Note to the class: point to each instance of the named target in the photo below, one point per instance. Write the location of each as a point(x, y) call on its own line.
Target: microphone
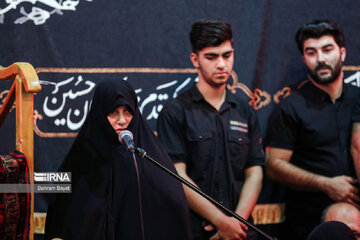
point(126, 137)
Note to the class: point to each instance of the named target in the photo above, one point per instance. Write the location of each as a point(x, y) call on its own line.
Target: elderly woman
point(113, 195)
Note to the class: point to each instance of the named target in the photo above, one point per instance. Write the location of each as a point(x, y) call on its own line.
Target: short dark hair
point(209, 33)
point(317, 29)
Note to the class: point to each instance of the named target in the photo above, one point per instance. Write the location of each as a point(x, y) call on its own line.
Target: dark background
point(132, 39)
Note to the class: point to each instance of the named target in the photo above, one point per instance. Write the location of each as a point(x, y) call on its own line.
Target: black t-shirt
point(215, 145)
point(319, 134)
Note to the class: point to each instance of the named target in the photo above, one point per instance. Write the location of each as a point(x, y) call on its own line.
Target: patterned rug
point(14, 207)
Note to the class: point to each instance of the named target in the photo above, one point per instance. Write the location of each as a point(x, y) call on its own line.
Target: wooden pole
point(25, 135)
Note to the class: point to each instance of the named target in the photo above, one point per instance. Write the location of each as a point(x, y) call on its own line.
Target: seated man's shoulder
point(296, 97)
point(177, 105)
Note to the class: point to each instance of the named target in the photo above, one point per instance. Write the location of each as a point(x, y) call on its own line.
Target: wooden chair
point(26, 83)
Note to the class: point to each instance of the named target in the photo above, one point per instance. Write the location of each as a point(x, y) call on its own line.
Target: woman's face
point(120, 118)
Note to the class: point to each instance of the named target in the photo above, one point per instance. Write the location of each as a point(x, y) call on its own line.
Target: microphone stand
point(140, 152)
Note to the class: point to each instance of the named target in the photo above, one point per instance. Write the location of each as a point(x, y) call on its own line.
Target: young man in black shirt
point(214, 138)
point(308, 139)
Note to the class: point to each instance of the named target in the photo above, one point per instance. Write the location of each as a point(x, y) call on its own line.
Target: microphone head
point(125, 133)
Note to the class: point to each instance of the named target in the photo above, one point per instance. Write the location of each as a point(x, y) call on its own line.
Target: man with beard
point(308, 141)
point(214, 138)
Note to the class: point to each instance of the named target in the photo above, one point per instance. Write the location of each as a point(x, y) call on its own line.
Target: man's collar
point(318, 93)
point(197, 96)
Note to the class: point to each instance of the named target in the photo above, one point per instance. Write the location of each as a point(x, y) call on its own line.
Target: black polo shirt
point(318, 132)
point(215, 145)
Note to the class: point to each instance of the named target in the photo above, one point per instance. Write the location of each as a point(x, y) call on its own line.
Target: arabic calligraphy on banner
point(41, 10)
point(61, 110)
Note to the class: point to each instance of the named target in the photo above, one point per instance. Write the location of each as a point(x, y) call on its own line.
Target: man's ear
point(343, 54)
point(194, 59)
